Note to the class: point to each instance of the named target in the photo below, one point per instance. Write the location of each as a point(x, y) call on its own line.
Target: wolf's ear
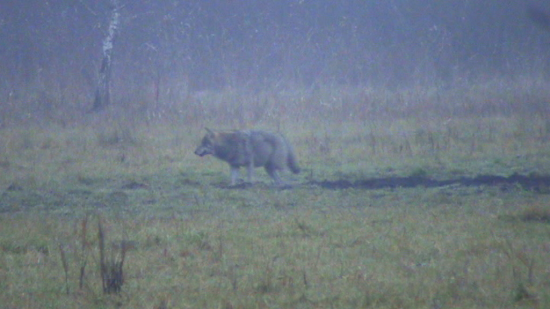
point(209, 131)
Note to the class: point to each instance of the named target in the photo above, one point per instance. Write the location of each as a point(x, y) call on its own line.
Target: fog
point(52, 50)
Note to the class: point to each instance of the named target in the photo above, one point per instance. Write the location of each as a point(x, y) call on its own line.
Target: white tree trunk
point(103, 90)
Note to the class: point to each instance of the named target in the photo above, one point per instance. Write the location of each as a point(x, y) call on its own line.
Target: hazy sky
point(257, 43)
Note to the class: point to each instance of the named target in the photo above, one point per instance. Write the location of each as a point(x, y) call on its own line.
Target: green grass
point(293, 249)
point(192, 243)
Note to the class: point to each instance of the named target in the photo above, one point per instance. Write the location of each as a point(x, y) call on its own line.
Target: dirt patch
point(537, 183)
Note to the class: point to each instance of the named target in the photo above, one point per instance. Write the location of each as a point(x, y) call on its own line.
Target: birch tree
point(102, 96)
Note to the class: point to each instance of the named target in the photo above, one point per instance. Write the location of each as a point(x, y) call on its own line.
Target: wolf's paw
point(241, 185)
point(284, 186)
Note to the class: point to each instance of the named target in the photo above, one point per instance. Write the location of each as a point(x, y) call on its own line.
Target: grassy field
point(131, 196)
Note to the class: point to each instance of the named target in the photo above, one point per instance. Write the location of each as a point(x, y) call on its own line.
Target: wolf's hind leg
point(250, 171)
point(274, 174)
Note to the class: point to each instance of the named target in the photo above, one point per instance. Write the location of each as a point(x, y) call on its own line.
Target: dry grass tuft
point(536, 213)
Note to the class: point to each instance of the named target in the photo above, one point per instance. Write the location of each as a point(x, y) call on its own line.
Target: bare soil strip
point(537, 183)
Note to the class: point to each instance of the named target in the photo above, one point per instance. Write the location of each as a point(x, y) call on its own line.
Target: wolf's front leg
point(250, 171)
point(234, 175)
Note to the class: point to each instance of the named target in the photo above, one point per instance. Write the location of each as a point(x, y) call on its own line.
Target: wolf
point(250, 148)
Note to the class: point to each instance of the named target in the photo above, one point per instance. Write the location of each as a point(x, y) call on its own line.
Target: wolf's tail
point(292, 162)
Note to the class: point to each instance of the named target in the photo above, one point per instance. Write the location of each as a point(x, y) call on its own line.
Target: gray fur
point(250, 148)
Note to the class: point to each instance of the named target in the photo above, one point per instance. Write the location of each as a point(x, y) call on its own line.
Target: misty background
point(169, 51)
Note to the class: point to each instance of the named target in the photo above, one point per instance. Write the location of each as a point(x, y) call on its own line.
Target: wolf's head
point(207, 145)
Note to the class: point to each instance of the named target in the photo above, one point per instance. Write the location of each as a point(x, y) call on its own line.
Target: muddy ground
point(130, 195)
point(537, 183)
